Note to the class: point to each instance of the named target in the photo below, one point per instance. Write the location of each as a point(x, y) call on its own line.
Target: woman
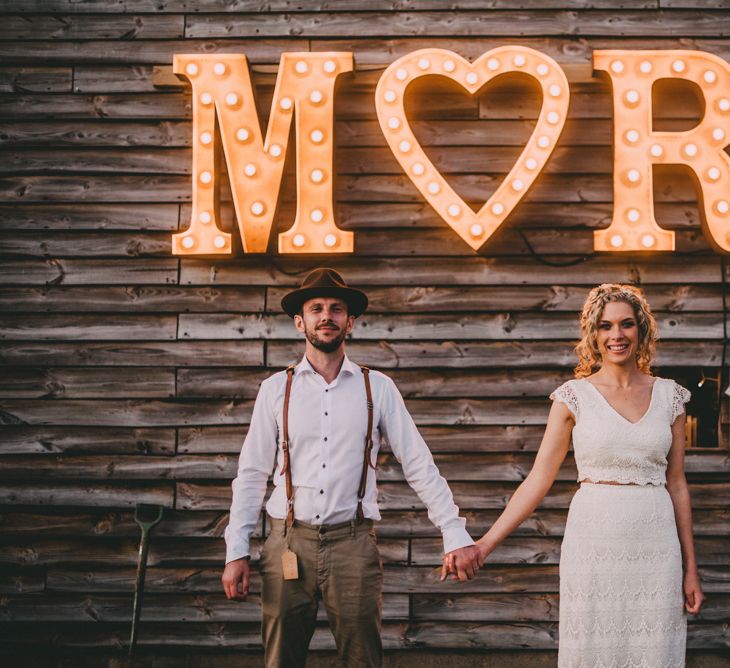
point(627, 561)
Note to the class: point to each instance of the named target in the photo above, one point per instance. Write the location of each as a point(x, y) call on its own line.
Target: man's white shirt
point(327, 430)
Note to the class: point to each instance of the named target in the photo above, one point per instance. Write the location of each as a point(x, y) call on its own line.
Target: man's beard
point(325, 346)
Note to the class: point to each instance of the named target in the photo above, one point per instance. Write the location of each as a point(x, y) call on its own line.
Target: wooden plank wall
point(129, 374)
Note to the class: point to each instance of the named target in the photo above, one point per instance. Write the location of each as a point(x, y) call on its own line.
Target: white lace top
point(610, 448)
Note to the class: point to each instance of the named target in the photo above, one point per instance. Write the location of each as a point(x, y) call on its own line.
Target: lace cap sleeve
point(680, 396)
point(565, 394)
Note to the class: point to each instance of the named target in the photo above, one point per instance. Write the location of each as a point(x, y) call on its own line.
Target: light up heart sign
point(474, 228)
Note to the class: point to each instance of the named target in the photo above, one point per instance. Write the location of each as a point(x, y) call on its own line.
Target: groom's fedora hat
point(323, 282)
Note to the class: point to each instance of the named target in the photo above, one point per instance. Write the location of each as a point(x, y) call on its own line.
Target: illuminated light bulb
point(191, 69)
point(206, 99)
point(219, 241)
point(231, 99)
point(656, 150)
point(476, 230)
point(645, 66)
point(519, 60)
point(648, 240)
point(632, 96)
point(394, 123)
point(257, 208)
point(555, 90)
point(633, 215)
point(713, 174)
point(330, 240)
point(275, 150)
point(617, 67)
point(449, 65)
point(219, 69)
point(249, 169)
point(617, 240)
point(493, 64)
point(434, 188)
point(404, 146)
point(497, 209)
point(424, 63)
point(206, 177)
point(188, 242)
point(633, 175)
point(298, 240)
point(418, 169)
point(543, 141)
point(286, 103)
point(206, 137)
point(401, 74)
point(301, 67)
point(454, 210)
point(330, 66)
point(517, 185)
point(390, 96)
point(553, 117)
point(531, 163)
point(722, 206)
point(690, 150)
point(543, 69)
point(317, 176)
point(679, 66)
point(472, 78)
point(709, 76)
point(723, 104)
point(315, 97)
point(316, 136)
point(317, 216)
point(205, 217)
point(718, 134)
point(632, 136)
point(242, 134)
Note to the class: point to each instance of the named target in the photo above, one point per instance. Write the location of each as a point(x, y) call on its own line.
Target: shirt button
point(316, 517)
point(321, 491)
point(326, 390)
point(326, 413)
point(325, 438)
point(324, 466)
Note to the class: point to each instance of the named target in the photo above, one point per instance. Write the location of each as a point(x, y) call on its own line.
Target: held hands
point(693, 596)
point(235, 579)
point(464, 563)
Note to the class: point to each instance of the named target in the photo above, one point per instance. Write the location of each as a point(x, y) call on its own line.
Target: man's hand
point(235, 579)
point(464, 563)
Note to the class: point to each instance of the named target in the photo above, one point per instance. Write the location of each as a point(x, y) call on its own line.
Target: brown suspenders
point(367, 456)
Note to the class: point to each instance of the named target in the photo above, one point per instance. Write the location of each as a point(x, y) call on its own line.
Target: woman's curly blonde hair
point(589, 359)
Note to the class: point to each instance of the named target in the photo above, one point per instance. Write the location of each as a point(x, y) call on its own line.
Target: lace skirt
point(621, 600)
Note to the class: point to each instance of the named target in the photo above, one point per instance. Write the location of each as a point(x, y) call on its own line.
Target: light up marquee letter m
point(222, 90)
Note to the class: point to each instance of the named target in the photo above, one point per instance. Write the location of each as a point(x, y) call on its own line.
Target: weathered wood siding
point(129, 375)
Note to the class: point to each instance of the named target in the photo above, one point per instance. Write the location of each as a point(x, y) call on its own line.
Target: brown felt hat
point(323, 282)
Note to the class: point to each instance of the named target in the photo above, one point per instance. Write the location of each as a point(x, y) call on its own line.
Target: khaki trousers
point(339, 564)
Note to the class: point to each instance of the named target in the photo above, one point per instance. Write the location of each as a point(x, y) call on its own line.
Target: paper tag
point(289, 565)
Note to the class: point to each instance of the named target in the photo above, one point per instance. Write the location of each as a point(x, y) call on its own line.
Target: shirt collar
point(347, 367)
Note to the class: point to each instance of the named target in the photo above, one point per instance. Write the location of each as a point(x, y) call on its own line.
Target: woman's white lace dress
point(621, 601)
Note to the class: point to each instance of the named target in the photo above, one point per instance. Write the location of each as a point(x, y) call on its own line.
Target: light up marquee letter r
point(637, 147)
point(222, 91)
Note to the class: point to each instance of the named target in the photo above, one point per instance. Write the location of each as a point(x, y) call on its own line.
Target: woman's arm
point(532, 491)
point(678, 490)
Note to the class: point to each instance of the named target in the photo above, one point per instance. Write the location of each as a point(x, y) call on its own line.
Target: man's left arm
point(424, 478)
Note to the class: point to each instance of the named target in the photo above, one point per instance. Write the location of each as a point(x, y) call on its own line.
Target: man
point(316, 420)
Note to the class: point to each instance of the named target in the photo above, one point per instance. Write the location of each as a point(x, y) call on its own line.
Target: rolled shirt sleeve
point(420, 470)
point(255, 464)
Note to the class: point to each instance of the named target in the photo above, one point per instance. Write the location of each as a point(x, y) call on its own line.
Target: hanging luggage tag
point(289, 565)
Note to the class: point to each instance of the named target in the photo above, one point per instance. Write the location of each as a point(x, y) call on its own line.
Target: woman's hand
point(693, 596)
